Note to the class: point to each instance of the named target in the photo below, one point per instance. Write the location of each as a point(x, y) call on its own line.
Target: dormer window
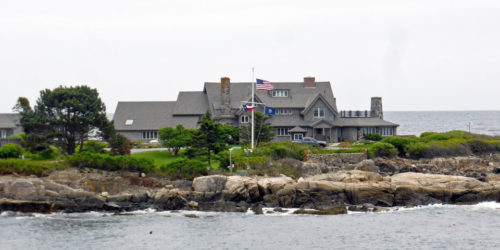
point(319, 113)
point(280, 93)
point(129, 122)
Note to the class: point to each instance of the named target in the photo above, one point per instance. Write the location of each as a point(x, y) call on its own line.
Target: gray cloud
point(417, 55)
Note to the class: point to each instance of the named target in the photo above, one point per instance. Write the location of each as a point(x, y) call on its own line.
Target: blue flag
point(269, 111)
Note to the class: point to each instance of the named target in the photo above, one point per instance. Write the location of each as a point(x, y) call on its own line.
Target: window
point(283, 112)
point(280, 93)
point(3, 133)
point(129, 122)
point(149, 134)
point(370, 130)
point(244, 119)
point(319, 113)
point(298, 136)
point(386, 131)
point(282, 131)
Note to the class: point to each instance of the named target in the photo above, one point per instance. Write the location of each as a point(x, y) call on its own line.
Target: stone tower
point(376, 107)
point(225, 104)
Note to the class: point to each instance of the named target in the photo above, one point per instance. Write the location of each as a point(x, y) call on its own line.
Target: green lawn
point(163, 157)
point(159, 157)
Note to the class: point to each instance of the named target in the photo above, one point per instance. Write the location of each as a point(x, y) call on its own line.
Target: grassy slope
point(164, 157)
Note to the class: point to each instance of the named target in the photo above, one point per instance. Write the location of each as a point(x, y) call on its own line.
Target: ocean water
point(435, 226)
point(417, 122)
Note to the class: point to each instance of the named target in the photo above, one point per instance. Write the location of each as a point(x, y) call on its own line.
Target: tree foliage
point(262, 132)
point(176, 138)
point(64, 114)
point(209, 136)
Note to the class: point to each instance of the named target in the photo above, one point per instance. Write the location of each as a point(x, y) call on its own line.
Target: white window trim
point(284, 130)
point(298, 136)
point(244, 119)
point(149, 135)
point(319, 112)
point(279, 93)
point(3, 133)
point(284, 111)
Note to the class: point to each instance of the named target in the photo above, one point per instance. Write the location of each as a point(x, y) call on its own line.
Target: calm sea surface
point(436, 226)
point(417, 122)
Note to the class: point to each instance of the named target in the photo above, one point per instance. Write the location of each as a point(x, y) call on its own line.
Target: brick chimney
point(225, 90)
point(309, 82)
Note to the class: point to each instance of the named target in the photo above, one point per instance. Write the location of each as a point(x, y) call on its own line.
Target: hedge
point(110, 163)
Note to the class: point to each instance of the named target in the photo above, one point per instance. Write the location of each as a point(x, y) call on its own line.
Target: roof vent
point(129, 122)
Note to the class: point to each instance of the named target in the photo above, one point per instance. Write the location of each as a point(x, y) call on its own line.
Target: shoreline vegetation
point(453, 168)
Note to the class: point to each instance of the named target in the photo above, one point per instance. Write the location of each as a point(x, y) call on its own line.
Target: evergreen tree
point(64, 115)
point(262, 133)
point(209, 136)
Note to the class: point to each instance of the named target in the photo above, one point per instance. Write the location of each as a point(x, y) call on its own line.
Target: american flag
point(264, 85)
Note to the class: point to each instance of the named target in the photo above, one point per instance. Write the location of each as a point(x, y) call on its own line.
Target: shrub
point(431, 136)
point(381, 149)
point(452, 147)
point(415, 150)
point(185, 168)
point(27, 167)
point(400, 143)
point(94, 147)
point(110, 163)
point(10, 150)
point(281, 150)
point(496, 144)
point(480, 146)
point(192, 153)
point(120, 145)
point(373, 137)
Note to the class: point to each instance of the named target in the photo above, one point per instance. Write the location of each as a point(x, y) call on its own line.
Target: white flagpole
point(253, 104)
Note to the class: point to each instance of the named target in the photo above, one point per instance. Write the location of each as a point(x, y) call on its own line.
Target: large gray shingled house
point(305, 108)
point(9, 125)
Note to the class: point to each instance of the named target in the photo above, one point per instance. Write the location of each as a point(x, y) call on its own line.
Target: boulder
point(351, 176)
point(273, 184)
point(367, 165)
point(240, 188)
point(211, 183)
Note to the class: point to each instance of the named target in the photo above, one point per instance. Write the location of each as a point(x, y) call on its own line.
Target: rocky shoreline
point(369, 185)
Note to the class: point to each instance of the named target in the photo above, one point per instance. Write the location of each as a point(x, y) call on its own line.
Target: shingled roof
point(150, 116)
point(9, 120)
point(365, 122)
point(298, 95)
point(191, 103)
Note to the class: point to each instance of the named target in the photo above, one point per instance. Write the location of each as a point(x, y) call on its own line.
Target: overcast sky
point(416, 55)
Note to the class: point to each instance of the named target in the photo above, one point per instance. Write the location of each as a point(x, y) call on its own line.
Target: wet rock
point(193, 204)
point(332, 211)
point(257, 209)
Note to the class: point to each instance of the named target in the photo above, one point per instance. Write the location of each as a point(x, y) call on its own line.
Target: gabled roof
point(298, 95)
point(191, 103)
point(9, 120)
point(328, 122)
point(311, 101)
point(150, 116)
point(365, 122)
